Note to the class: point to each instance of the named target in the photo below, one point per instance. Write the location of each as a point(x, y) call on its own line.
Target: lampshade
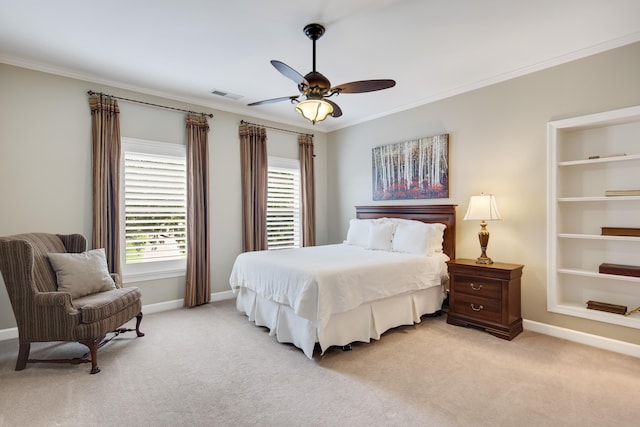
point(314, 110)
point(482, 208)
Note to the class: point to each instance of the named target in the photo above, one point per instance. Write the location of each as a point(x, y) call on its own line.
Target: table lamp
point(483, 208)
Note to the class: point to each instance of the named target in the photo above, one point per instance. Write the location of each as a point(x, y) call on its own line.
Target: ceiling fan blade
point(364, 86)
point(337, 111)
point(271, 101)
point(289, 72)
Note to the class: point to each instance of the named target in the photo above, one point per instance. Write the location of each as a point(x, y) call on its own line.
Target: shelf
point(600, 160)
point(598, 237)
point(587, 273)
point(576, 310)
point(599, 199)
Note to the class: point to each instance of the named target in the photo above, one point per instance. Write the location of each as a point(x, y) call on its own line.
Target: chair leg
point(138, 321)
point(93, 349)
point(23, 355)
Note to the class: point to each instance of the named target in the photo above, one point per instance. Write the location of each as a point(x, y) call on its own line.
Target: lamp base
point(484, 260)
point(483, 236)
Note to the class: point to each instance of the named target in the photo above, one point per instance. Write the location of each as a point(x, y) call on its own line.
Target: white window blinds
point(155, 207)
point(283, 204)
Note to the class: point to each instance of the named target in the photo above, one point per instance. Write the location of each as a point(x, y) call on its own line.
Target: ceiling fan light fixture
point(314, 110)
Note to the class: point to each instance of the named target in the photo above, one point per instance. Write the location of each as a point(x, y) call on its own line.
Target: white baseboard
point(10, 333)
point(178, 303)
point(7, 334)
point(221, 296)
point(583, 338)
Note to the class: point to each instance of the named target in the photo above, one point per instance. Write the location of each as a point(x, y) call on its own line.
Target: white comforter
point(319, 281)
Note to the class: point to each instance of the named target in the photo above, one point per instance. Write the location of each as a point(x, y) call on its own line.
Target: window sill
point(152, 275)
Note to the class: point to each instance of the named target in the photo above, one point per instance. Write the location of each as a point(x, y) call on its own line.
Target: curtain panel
point(253, 166)
point(308, 190)
point(106, 147)
point(198, 274)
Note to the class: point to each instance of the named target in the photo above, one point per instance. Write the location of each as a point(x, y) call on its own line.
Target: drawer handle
point(474, 308)
point(475, 287)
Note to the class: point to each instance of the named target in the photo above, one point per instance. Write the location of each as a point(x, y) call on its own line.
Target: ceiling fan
point(315, 89)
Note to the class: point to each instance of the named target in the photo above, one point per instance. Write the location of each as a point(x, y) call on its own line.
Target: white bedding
point(321, 281)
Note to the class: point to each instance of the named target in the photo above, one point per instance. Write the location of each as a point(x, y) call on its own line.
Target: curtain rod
point(149, 103)
point(244, 122)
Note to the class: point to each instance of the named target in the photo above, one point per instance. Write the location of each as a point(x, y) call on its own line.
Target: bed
point(335, 295)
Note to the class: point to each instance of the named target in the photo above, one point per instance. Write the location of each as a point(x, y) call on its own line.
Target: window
point(283, 204)
point(153, 210)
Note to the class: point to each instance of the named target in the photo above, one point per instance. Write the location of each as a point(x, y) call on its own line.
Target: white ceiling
point(182, 49)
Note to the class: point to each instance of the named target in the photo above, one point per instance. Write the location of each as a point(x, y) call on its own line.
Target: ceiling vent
point(224, 94)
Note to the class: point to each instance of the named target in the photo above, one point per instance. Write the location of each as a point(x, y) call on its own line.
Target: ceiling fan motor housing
point(318, 85)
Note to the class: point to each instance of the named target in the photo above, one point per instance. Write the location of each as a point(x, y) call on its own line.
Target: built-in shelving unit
point(588, 156)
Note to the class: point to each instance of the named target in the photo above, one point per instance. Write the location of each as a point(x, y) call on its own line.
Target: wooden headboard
point(445, 214)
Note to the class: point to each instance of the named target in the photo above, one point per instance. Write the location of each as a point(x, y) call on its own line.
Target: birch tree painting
point(417, 169)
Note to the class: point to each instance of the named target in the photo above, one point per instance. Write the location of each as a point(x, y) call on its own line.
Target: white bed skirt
point(366, 322)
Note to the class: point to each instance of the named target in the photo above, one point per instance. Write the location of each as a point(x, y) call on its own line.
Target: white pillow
point(358, 234)
point(413, 238)
point(82, 274)
point(381, 236)
point(437, 237)
point(417, 237)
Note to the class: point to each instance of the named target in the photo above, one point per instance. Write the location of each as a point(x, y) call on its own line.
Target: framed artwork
point(417, 169)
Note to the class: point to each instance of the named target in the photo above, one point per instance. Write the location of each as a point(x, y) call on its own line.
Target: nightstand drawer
point(478, 286)
point(478, 308)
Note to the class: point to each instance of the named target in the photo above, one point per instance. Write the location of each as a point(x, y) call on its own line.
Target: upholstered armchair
point(72, 299)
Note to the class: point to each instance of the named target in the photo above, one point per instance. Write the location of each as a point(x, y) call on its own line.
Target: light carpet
point(210, 366)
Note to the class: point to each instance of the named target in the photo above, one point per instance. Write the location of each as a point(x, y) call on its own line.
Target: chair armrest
point(116, 280)
point(52, 318)
point(56, 301)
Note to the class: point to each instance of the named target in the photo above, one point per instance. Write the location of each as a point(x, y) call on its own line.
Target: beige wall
point(45, 165)
point(497, 145)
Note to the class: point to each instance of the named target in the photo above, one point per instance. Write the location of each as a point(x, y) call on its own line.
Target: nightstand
point(486, 296)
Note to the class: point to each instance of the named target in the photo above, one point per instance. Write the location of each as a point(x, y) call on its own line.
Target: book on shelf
point(610, 308)
point(605, 156)
point(622, 193)
point(619, 269)
point(620, 231)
